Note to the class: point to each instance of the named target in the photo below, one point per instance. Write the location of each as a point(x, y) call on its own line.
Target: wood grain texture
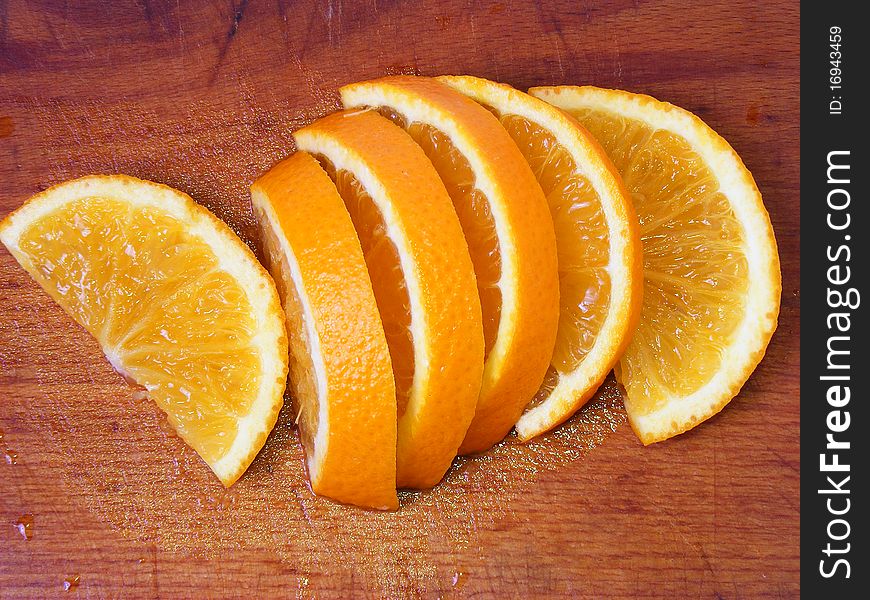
point(203, 96)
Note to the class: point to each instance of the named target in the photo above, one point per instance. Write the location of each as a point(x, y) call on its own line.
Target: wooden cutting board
point(203, 96)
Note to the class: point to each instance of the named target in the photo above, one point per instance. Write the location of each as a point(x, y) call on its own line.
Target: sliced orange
point(508, 228)
point(711, 270)
point(340, 373)
point(178, 303)
point(600, 269)
point(422, 278)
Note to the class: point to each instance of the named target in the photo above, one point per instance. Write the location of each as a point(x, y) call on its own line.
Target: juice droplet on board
point(459, 579)
point(24, 524)
point(71, 583)
point(10, 455)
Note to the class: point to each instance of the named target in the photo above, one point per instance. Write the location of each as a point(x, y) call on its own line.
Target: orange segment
point(711, 269)
point(178, 303)
point(507, 227)
point(340, 372)
point(422, 277)
point(599, 252)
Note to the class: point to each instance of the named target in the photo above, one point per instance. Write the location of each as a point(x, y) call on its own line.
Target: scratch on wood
point(237, 18)
point(618, 59)
point(551, 24)
point(53, 33)
point(180, 26)
point(282, 15)
point(333, 13)
point(784, 462)
point(145, 6)
point(238, 13)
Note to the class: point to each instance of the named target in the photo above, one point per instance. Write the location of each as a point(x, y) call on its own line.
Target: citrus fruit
point(510, 236)
point(178, 303)
point(600, 268)
point(422, 277)
point(340, 373)
point(711, 270)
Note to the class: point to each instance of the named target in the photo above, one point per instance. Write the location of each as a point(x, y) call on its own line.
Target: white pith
point(316, 454)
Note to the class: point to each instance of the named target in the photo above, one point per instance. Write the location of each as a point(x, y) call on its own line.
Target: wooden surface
point(203, 96)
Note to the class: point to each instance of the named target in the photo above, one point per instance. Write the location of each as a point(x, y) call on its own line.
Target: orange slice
point(508, 228)
point(711, 270)
point(600, 269)
point(178, 303)
point(422, 278)
point(340, 372)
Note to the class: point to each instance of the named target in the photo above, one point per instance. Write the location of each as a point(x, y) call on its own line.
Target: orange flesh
point(303, 378)
point(153, 295)
point(474, 215)
point(583, 246)
point(388, 280)
point(695, 278)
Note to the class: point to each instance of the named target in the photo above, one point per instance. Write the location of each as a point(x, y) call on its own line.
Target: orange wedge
point(711, 270)
point(340, 372)
point(508, 228)
point(422, 277)
point(600, 268)
point(178, 303)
